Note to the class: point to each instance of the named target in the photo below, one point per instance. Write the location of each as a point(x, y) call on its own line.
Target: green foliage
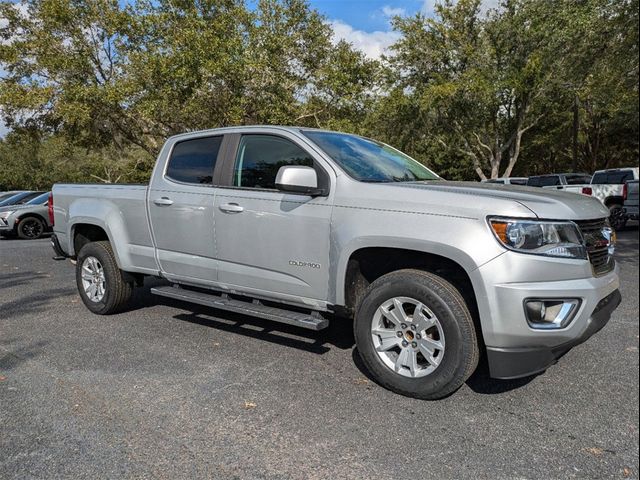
point(91, 88)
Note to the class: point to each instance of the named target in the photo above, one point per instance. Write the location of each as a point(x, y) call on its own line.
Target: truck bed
point(120, 209)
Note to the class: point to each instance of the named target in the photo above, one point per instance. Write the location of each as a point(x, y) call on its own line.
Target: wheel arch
point(104, 221)
point(365, 264)
point(19, 218)
point(85, 232)
point(613, 200)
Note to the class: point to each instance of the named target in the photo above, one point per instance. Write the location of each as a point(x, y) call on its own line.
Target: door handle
point(163, 201)
point(231, 208)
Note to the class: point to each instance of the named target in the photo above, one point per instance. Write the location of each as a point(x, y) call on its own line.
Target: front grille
point(597, 245)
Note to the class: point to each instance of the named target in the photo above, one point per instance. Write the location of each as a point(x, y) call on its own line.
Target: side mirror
point(298, 179)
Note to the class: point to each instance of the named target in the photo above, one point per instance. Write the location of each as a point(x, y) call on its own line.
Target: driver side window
point(260, 157)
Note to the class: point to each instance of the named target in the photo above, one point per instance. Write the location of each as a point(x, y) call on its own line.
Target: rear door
point(269, 241)
point(181, 208)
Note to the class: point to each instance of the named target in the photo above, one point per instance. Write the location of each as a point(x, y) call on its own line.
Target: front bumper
point(514, 349)
point(507, 363)
point(7, 224)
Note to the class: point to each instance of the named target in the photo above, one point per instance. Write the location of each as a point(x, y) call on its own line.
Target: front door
point(266, 240)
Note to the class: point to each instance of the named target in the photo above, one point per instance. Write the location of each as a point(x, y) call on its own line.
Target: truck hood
point(543, 203)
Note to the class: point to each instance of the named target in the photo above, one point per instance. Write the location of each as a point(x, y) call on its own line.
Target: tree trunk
point(576, 127)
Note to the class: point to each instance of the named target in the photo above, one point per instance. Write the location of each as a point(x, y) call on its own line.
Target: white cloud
point(372, 44)
point(389, 11)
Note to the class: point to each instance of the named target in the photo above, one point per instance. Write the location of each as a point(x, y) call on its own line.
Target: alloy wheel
point(408, 337)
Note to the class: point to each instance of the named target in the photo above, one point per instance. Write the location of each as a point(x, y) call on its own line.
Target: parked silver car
point(28, 221)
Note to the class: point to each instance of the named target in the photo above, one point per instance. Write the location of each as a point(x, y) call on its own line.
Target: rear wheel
point(100, 282)
point(416, 335)
point(617, 218)
point(30, 228)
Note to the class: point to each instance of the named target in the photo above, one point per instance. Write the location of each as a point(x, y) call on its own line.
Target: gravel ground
point(167, 390)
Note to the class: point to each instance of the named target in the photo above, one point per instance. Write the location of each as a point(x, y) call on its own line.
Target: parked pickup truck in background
point(608, 187)
point(630, 195)
point(570, 182)
point(306, 226)
point(507, 180)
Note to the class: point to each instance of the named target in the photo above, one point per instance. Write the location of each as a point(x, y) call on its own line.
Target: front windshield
point(39, 200)
point(369, 161)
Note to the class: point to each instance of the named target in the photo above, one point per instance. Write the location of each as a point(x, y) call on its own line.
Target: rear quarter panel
point(120, 210)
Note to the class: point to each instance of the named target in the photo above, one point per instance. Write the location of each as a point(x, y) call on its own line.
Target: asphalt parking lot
point(169, 390)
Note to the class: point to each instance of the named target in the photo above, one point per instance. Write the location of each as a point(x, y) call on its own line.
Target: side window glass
point(549, 181)
point(260, 157)
point(193, 161)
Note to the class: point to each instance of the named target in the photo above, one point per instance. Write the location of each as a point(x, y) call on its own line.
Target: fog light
point(549, 314)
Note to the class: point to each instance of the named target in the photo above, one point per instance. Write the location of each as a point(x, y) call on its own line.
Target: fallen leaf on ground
point(249, 405)
point(595, 451)
point(626, 472)
point(361, 381)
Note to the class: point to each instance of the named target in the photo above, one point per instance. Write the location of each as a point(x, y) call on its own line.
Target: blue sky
point(366, 15)
point(366, 23)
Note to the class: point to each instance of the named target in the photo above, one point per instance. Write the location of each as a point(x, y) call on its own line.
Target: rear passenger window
point(534, 182)
point(193, 161)
point(549, 181)
point(613, 178)
point(618, 178)
point(578, 179)
point(261, 156)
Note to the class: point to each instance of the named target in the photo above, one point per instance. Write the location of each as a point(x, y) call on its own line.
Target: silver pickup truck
point(304, 226)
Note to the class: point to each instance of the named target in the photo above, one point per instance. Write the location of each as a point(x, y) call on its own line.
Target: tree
point(474, 80)
point(100, 72)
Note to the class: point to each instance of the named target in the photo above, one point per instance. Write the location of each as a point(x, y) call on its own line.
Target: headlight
point(5, 215)
point(553, 239)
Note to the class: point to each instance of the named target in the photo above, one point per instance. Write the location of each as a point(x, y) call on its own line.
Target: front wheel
point(415, 334)
point(30, 228)
point(100, 282)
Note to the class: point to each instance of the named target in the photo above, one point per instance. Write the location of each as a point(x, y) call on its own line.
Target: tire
point(617, 218)
point(30, 228)
point(116, 292)
point(460, 353)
